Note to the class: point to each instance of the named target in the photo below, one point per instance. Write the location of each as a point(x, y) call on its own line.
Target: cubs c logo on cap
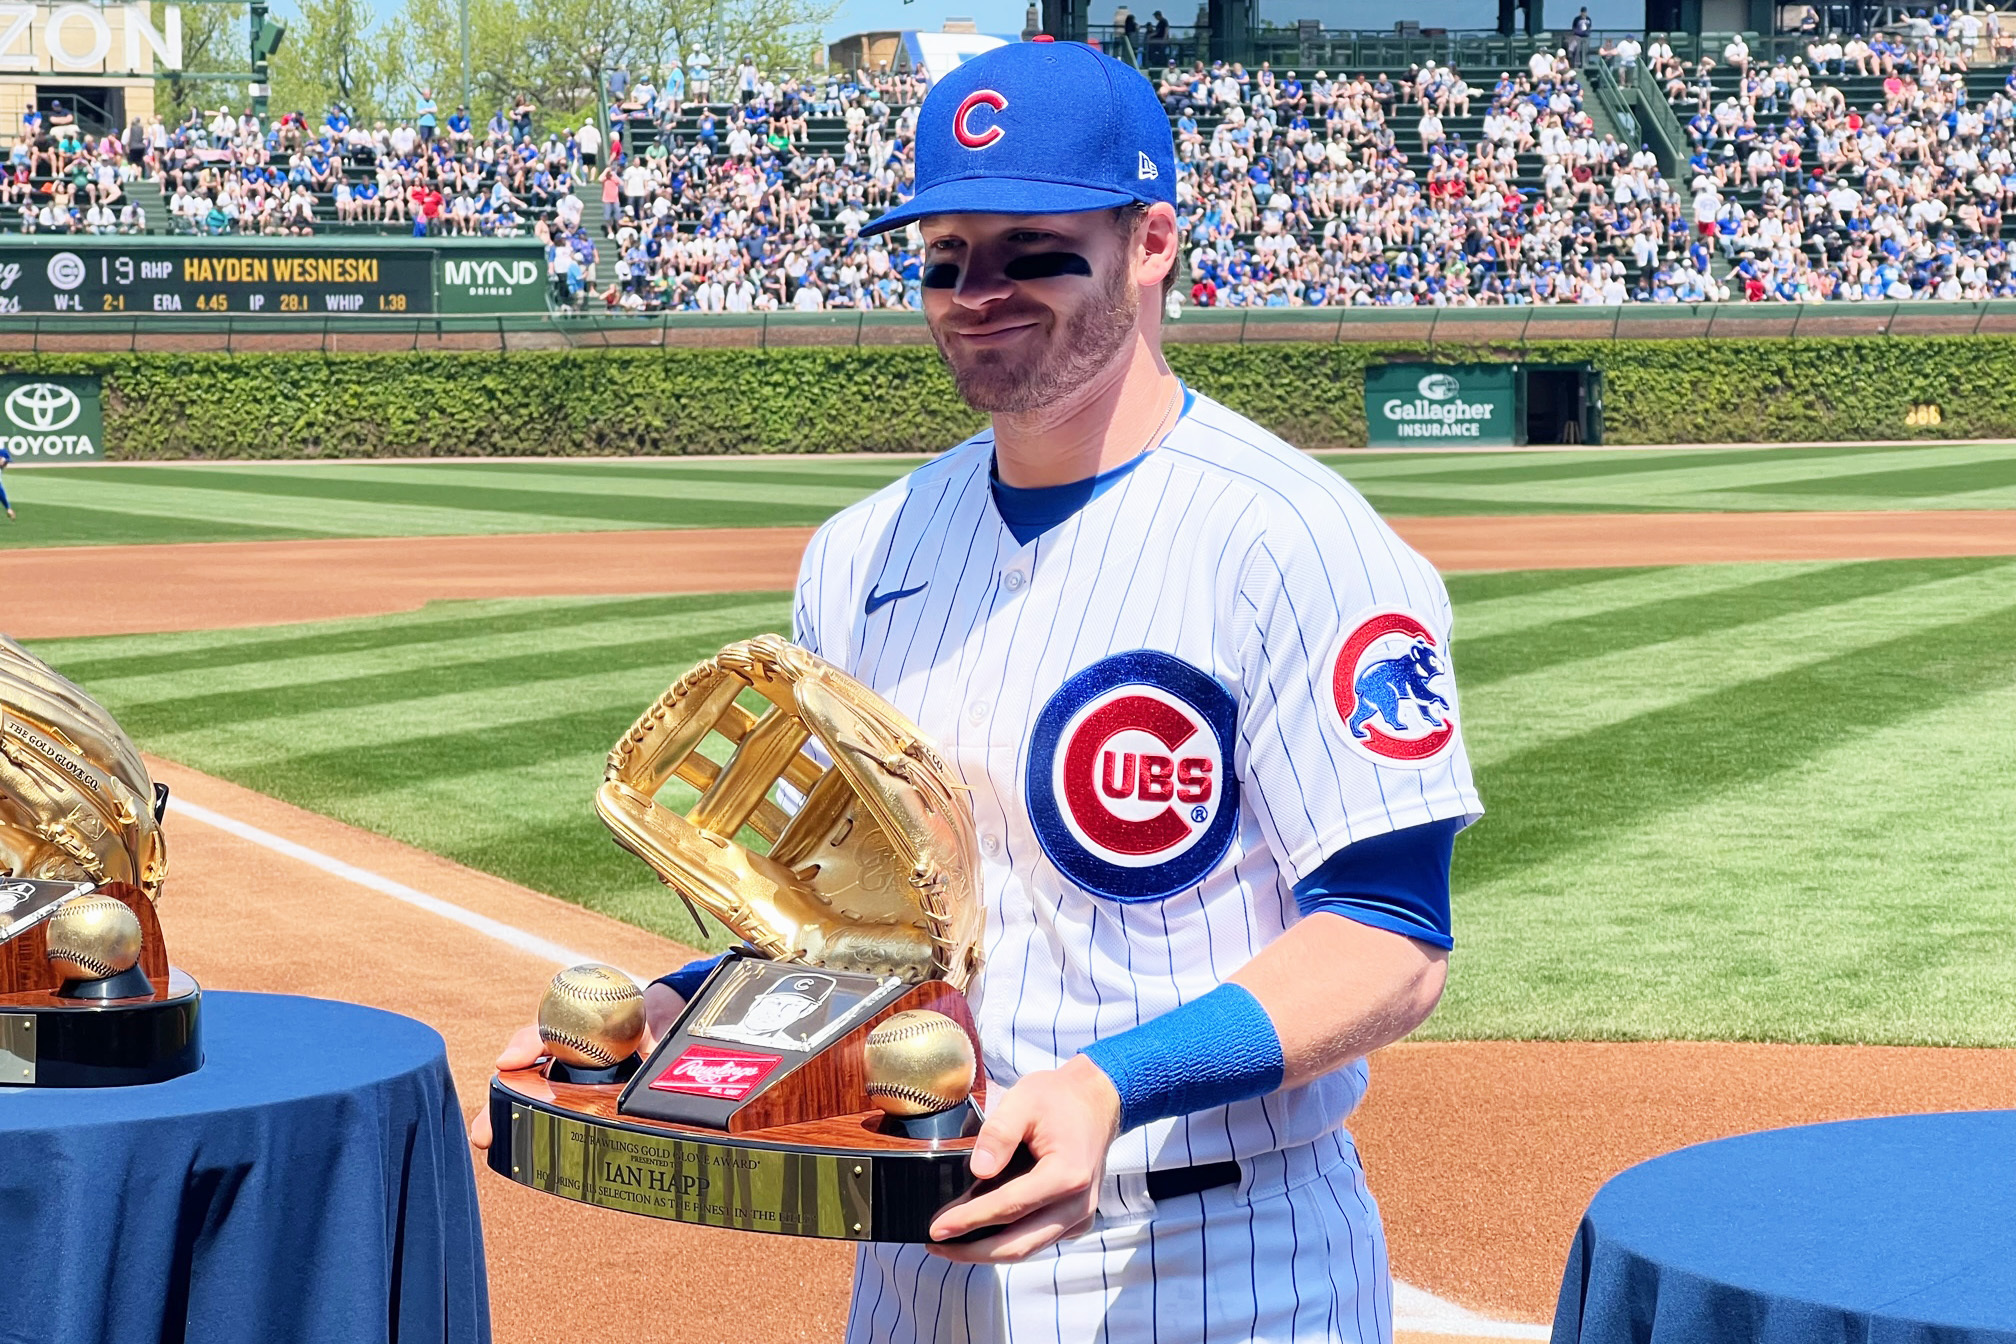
point(1130, 780)
point(1390, 682)
point(965, 119)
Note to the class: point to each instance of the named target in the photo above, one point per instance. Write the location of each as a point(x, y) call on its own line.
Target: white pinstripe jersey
point(1170, 708)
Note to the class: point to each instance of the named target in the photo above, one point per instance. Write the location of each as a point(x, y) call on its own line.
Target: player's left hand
point(1067, 1118)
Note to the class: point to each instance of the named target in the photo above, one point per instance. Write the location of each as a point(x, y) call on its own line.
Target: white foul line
point(504, 933)
point(1414, 1310)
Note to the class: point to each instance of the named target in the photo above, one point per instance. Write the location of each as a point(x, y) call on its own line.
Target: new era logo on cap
point(1038, 128)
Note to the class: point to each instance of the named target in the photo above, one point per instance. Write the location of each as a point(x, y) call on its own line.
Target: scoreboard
point(215, 277)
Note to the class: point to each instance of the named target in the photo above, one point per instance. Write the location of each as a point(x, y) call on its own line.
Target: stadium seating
point(1506, 178)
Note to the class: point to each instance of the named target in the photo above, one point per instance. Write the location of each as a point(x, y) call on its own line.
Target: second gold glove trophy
point(87, 997)
point(824, 1080)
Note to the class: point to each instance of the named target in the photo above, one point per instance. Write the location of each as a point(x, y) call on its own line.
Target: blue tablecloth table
point(1872, 1231)
point(311, 1182)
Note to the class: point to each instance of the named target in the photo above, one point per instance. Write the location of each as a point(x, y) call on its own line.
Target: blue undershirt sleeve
point(1398, 881)
point(686, 981)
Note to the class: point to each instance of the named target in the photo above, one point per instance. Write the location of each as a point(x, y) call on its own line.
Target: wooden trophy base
point(840, 1178)
point(787, 1141)
point(50, 1039)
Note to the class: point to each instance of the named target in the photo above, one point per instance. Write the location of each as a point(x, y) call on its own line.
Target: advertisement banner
point(52, 417)
point(1441, 405)
point(493, 279)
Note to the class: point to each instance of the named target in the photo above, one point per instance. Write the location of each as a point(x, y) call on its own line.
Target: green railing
point(1499, 327)
point(1603, 87)
point(1657, 126)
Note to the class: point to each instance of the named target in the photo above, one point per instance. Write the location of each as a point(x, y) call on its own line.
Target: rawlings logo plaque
point(1130, 781)
point(703, 1071)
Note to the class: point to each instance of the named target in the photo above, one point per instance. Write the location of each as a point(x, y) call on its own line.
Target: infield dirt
point(111, 590)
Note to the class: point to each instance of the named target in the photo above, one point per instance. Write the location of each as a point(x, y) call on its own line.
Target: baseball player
point(5, 458)
point(1203, 699)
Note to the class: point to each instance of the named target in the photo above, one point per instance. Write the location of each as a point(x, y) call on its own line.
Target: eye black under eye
point(1045, 265)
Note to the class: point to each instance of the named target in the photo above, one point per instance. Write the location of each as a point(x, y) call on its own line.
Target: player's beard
point(1006, 382)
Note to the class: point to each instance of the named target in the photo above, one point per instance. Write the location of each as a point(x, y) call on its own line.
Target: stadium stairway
point(146, 193)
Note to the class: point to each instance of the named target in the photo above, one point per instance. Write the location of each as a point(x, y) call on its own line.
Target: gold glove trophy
point(824, 1080)
point(87, 997)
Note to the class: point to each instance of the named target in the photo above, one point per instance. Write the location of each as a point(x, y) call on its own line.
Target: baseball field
point(1733, 712)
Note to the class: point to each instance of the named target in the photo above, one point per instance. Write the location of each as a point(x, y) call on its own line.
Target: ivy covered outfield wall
point(684, 401)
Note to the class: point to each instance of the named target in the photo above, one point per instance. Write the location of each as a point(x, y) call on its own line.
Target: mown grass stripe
point(1568, 701)
point(1396, 504)
point(415, 724)
point(1600, 783)
point(483, 489)
point(1957, 478)
point(754, 470)
point(1514, 586)
point(1510, 469)
point(1584, 636)
point(1839, 899)
point(1486, 608)
point(104, 659)
point(289, 688)
point(49, 523)
point(185, 497)
point(493, 508)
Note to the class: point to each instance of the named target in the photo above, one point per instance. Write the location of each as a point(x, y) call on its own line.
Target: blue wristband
point(1212, 1051)
point(686, 981)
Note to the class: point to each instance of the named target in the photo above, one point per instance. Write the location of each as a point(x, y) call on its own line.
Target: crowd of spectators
point(1859, 168)
point(1302, 193)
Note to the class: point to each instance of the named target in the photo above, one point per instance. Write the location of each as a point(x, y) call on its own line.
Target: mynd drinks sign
point(52, 417)
point(1441, 405)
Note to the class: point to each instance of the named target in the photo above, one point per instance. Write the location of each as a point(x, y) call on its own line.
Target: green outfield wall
point(160, 405)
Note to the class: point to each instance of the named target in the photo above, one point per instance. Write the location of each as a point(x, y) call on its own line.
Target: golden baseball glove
point(75, 799)
point(877, 869)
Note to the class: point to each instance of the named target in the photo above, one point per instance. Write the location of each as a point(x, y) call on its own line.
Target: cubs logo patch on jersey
point(1130, 782)
point(1391, 683)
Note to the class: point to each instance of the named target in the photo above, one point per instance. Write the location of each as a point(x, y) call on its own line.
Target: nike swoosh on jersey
point(877, 601)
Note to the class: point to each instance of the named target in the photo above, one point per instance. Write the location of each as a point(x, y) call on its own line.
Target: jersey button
point(990, 844)
point(976, 713)
point(1013, 580)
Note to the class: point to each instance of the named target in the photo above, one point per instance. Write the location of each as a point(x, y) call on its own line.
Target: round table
point(312, 1181)
point(1869, 1230)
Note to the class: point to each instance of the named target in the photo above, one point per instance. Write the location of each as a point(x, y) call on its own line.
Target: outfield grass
point(1764, 802)
point(75, 506)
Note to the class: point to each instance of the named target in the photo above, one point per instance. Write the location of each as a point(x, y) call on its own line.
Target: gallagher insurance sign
point(1434, 405)
point(51, 418)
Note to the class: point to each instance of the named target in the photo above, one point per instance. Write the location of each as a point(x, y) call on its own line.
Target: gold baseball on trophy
point(918, 1063)
point(92, 938)
point(592, 1016)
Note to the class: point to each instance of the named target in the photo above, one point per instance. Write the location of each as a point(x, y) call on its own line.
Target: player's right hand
point(522, 1051)
point(1067, 1118)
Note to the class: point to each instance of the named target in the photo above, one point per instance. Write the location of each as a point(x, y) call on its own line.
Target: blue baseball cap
point(1038, 128)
